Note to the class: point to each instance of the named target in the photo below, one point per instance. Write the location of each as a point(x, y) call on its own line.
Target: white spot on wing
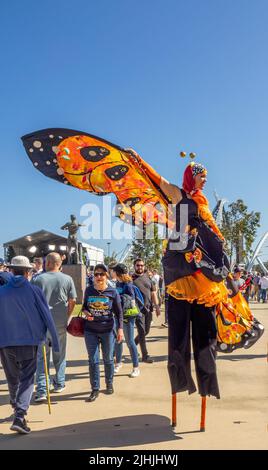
point(37, 144)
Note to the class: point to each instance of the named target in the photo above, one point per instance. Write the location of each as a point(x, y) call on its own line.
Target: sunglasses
point(99, 274)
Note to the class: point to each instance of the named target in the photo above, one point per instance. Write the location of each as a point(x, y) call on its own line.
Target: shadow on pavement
point(76, 376)
point(4, 399)
point(152, 339)
point(239, 357)
point(7, 419)
point(159, 358)
point(106, 433)
point(188, 432)
point(56, 397)
point(79, 363)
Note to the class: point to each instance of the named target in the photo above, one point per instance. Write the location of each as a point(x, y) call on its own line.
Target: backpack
point(132, 307)
point(139, 297)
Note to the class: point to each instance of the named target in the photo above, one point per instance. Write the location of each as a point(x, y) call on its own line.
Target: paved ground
point(137, 416)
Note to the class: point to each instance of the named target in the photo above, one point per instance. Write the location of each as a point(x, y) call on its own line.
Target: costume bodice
point(186, 217)
point(191, 250)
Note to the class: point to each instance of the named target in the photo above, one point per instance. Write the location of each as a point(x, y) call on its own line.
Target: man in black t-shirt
point(148, 290)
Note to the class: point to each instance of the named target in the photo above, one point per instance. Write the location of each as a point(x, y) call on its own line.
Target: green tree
point(240, 229)
point(149, 249)
point(110, 259)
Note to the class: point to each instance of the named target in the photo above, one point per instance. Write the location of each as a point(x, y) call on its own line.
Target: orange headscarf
point(203, 206)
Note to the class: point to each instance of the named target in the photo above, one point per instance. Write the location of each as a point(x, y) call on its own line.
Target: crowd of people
point(254, 285)
point(36, 303)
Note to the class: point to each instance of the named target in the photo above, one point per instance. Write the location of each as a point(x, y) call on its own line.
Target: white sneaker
point(117, 367)
point(40, 398)
point(58, 389)
point(135, 372)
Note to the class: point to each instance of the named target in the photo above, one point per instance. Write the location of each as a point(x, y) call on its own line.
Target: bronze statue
point(72, 242)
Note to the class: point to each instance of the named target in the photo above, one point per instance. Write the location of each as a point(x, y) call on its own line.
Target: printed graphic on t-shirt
point(98, 306)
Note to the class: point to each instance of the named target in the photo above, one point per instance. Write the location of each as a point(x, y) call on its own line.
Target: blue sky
point(159, 76)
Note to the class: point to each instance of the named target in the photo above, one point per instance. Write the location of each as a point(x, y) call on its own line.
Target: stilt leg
point(203, 414)
point(174, 410)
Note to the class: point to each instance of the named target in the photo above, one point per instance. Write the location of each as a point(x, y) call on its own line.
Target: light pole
point(108, 250)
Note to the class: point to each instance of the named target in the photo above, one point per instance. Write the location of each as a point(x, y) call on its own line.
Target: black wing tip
point(72, 131)
point(49, 129)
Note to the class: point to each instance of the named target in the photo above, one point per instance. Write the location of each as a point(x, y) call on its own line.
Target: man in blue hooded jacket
point(25, 318)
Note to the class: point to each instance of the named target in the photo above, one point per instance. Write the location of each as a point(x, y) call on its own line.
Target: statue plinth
point(78, 273)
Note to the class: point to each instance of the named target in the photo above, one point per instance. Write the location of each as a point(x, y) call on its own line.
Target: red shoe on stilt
point(203, 414)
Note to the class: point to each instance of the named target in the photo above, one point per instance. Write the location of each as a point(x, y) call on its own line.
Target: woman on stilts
point(195, 267)
point(203, 300)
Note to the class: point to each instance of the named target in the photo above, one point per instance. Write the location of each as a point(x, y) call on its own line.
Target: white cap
point(20, 262)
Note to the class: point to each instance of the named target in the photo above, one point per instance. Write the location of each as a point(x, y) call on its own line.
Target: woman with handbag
point(126, 289)
point(101, 303)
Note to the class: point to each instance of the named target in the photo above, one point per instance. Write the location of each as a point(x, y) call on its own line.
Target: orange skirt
point(241, 306)
point(199, 288)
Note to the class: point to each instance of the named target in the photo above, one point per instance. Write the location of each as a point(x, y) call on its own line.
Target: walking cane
point(203, 414)
point(46, 374)
point(174, 410)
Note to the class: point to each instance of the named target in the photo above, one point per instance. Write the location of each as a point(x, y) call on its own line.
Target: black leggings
point(204, 338)
point(143, 324)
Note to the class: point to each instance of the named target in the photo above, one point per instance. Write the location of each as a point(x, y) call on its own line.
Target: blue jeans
point(128, 328)
point(263, 295)
point(106, 340)
point(19, 364)
point(59, 361)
